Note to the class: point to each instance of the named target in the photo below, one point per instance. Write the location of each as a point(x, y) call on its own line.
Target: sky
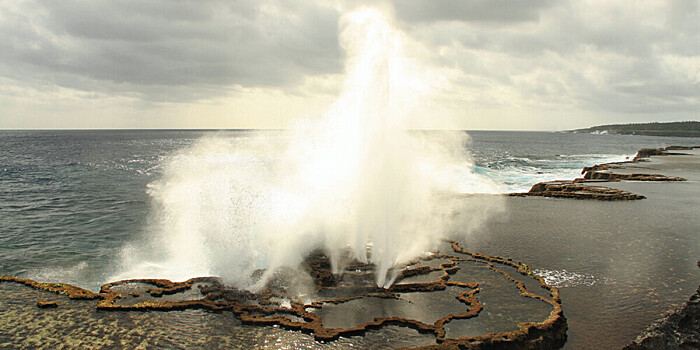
point(493, 64)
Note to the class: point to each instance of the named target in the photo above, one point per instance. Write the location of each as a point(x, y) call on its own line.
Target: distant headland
point(681, 129)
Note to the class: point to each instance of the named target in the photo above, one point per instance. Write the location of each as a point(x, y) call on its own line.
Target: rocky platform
point(679, 329)
point(276, 306)
point(577, 190)
point(581, 188)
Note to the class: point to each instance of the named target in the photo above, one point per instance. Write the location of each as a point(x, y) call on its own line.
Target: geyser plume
point(355, 180)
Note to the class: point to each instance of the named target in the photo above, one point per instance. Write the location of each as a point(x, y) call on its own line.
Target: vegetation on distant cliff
point(685, 129)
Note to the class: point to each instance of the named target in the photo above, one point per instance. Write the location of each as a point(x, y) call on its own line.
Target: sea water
point(71, 200)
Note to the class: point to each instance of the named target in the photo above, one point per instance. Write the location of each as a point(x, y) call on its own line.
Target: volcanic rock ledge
point(266, 308)
point(678, 330)
point(603, 173)
point(647, 152)
point(610, 176)
point(577, 190)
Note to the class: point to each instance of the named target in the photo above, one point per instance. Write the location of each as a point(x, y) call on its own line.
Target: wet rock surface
point(610, 176)
point(43, 304)
point(648, 152)
point(678, 330)
point(275, 306)
point(581, 189)
point(577, 190)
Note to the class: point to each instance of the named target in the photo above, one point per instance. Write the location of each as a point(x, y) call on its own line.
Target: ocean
point(71, 201)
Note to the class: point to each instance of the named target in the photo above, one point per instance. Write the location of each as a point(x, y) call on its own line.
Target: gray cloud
point(615, 57)
point(470, 10)
point(147, 46)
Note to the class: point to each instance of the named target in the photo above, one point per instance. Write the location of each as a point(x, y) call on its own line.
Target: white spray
point(354, 179)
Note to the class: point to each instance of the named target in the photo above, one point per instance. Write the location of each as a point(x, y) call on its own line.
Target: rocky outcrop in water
point(648, 152)
point(43, 304)
point(678, 330)
point(577, 190)
point(268, 307)
point(610, 176)
point(605, 172)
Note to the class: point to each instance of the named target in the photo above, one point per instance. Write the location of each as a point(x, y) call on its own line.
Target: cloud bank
point(502, 64)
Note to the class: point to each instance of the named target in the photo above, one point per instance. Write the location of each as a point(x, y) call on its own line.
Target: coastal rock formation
point(273, 306)
point(609, 176)
point(605, 166)
point(678, 330)
point(43, 304)
point(603, 173)
point(68, 290)
point(648, 152)
point(577, 190)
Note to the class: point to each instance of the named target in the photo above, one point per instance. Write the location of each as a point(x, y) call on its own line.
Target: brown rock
point(609, 176)
point(577, 190)
point(647, 152)
point(43, 304)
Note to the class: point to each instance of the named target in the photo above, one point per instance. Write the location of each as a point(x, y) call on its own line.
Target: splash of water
point(354, 180)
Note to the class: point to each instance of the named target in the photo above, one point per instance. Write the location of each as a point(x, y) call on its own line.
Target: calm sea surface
point(70, 200)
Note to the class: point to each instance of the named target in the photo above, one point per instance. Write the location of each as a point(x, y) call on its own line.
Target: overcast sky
point(512, 65)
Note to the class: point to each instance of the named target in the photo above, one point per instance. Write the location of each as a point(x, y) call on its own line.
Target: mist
point(354, 180)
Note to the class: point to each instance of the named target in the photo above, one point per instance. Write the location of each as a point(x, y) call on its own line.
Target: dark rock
point(578, 190)
point(603, 173)
point(609, 176)
point(678, 330)
point(265, 307)
point(324, 278)
point(647, 152)
point(538, 187)
point(678, 148)
point(319, 268)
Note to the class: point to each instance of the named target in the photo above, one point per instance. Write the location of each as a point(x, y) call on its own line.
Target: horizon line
point(241, 129)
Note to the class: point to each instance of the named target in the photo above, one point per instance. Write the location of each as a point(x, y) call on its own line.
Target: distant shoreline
point(677, 129)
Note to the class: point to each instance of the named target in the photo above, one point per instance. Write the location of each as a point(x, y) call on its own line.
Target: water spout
point(355, 180)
